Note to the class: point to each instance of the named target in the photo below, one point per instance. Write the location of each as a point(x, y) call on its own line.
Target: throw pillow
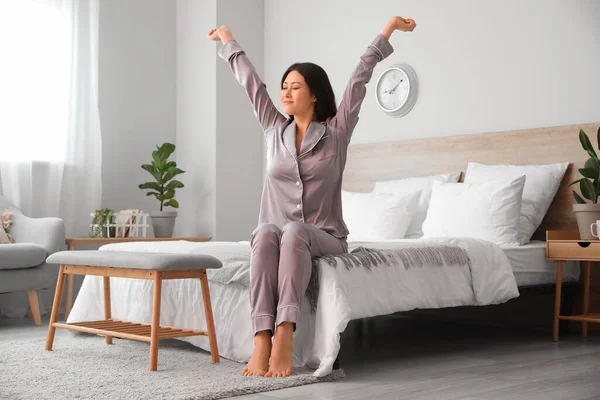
point(488, 211)
point(378, 216)
point(5, 225)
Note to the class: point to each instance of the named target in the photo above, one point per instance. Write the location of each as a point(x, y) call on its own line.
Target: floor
point(396, 357)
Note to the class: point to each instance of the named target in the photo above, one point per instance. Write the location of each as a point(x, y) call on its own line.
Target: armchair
point(23, 266)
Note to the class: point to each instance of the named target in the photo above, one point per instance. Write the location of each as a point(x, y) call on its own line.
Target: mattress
point(531, 267)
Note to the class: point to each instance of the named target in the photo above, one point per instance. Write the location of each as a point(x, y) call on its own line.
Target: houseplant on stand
point(589, 186)
point(163, 188)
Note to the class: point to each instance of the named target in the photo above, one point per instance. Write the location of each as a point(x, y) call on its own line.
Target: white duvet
point(344, 294)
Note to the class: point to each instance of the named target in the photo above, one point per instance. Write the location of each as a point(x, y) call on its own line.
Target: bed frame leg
point(567, 304)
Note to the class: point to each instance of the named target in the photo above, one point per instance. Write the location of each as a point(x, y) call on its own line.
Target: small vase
point(586, 215)
point(163, 223)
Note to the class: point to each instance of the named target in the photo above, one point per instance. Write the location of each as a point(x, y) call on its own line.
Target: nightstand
point(567, 245)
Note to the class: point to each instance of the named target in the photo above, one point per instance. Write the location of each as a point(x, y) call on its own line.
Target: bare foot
point(259, 362)
point(281, 356)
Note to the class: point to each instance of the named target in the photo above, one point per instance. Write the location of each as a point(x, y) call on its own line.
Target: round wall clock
point(396, 89)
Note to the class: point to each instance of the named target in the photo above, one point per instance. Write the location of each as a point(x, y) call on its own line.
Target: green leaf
point(173, 185)
point(151, 185)
point(588, 190)
point(166, 150)
point(154, 172)
point(586, 144)
point(171, 173)
point(589, 172)
point(593, 163)
point(157, 161)
point(172, 203)
point(577, 181)
point(578, 198)
point(166, 195)
point(169, 194)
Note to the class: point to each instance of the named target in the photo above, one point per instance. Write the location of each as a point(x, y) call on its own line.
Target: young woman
point(301, 211)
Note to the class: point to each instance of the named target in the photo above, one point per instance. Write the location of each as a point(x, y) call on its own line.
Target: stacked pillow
point(541, 184)
point(393, 210)
point(378, 216)
point(424, 184)
point(504, 204)
point(488, 211)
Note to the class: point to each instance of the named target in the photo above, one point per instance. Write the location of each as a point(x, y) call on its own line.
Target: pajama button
point(297, 205)
point(297, 183)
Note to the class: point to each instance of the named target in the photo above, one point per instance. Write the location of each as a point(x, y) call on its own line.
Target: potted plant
point(588, 212)
point(163, 188)
point(101, 221)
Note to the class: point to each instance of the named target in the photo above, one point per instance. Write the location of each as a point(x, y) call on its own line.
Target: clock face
point(396, 90)
point(393, 89)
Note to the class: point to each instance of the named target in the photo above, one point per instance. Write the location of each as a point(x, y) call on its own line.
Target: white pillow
point(541, 185)
point(408, 185)
point(378, 216)
point(488, 211)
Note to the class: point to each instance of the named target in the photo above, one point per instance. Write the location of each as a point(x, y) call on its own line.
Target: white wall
point(220, 143)
point(136, 95)
point(240, 140)
point(482, 66)
point(196, 117)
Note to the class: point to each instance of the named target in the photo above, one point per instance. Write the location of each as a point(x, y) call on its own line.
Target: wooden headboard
point(368, 163)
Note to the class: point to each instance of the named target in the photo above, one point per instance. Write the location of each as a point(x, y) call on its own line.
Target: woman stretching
point(301, 207)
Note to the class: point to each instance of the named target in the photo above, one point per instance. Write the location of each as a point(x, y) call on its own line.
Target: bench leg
point(154, 330)
point(34, 306)
point(55, 308)
point(69, 299)
point(107, 308)
point(210, 323)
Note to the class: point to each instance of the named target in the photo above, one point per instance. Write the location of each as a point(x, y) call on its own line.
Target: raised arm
point(268, 116)
point(347, 116)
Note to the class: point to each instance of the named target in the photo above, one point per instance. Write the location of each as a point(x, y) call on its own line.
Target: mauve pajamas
point(301, 205)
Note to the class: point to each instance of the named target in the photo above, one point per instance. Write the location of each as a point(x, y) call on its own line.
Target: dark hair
point(318, 82)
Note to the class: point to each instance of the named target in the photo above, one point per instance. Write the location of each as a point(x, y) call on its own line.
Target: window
point(35, 80)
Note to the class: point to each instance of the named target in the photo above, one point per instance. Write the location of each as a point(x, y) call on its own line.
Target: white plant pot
point(163, 223)
point(586, 215)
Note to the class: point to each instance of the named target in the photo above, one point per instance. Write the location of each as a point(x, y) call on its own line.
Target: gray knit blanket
point(237, 270)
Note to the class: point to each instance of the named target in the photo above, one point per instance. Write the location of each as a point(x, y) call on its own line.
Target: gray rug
point(85, 367)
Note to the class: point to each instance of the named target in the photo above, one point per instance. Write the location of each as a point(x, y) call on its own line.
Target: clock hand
point(392, 90)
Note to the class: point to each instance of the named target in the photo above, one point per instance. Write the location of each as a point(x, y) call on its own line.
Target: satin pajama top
point(305, 187)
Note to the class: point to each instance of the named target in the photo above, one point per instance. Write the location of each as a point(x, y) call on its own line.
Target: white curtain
point(50, 144)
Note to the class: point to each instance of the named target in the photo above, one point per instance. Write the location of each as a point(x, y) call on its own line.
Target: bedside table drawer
point(574, 250)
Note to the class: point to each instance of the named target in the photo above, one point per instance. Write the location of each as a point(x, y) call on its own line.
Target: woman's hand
point(223, 34)
point(398, 23)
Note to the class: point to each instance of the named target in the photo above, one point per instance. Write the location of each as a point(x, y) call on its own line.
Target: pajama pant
point(280, 269)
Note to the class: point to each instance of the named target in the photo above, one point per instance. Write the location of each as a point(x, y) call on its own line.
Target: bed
point(494, 275)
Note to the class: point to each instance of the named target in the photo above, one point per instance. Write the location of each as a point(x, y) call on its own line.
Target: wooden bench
point(140, 265)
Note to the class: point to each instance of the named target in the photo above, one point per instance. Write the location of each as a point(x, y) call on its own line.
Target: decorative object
point(124, 224)
point(113, 372)
point(5, 225)
point(163, 188)
point(102, 224)
point(589, 186)
point(396, 90)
